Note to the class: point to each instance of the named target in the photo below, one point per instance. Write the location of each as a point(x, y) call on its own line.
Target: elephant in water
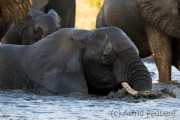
point(153, 26)
point(75, 60)
point(32, 28)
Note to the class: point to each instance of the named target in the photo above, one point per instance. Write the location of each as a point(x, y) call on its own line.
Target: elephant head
point(13, 10)
point(110, 58)
point(45, 24)
point(163, 14)
point(32, 28)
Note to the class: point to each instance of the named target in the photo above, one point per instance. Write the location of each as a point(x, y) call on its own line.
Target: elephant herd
point(52, 54)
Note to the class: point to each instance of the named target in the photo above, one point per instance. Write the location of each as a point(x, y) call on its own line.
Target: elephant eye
point(39, 31)
point(107, 58)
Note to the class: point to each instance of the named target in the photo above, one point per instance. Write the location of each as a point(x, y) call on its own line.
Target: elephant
point(64, 8)
point(75, 60)
point(35, 26)
point(152, 25)
point(12, 11)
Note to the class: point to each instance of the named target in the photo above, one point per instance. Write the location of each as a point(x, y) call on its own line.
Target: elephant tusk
point(147, 93)
point(129, 89)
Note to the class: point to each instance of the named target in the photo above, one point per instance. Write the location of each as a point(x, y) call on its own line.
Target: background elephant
point(65, 8)
point(75, 60)
point(153, 25)
point(12, 11)
point(34, 27)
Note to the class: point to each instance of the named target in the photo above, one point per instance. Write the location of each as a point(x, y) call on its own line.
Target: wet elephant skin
point(75, 60)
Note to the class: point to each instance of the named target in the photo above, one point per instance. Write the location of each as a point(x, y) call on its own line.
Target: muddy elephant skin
point(35, 26)
point(153, 26)
point(75, 60)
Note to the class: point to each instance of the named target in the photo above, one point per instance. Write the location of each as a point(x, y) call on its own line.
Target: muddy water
point(19, 104)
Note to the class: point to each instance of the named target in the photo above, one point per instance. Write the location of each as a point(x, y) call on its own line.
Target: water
point(19, 104)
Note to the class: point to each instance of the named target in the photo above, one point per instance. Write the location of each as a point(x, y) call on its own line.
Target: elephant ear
point(163, 14)
point(54, 66)
point(58, 18)
point(25, 29)
point(34, 13)
point(14, 10)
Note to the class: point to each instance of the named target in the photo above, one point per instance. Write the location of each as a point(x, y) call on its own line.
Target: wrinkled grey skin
point(66, 9)
point(34, 27)
point(74, 60)
point(10, 14)
point(153, 25)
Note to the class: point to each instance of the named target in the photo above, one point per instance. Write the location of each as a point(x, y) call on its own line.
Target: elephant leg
point(100, 21)
point(160, 46)
point(72, 17)
point(176, 53)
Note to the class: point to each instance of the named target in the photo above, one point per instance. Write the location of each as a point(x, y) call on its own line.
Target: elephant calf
point(75, 60)
point(35, 26)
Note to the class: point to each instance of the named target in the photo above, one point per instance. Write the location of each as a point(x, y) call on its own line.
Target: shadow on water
point(20, 104)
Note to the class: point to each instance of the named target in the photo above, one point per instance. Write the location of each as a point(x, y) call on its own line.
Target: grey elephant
point(64, 8)
point(75, 60)
point(153, 25)
point(12, 11)
point(32, 28)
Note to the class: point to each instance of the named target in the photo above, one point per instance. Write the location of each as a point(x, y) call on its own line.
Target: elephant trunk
point(139, 77)
point(131, 69)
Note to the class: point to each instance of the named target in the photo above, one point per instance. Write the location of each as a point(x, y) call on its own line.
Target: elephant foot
point(172, 82)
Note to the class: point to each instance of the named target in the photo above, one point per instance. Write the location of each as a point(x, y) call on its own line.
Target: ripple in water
point(17, 104)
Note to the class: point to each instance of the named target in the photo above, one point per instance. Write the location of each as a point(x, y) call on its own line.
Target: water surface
point(19, 104)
